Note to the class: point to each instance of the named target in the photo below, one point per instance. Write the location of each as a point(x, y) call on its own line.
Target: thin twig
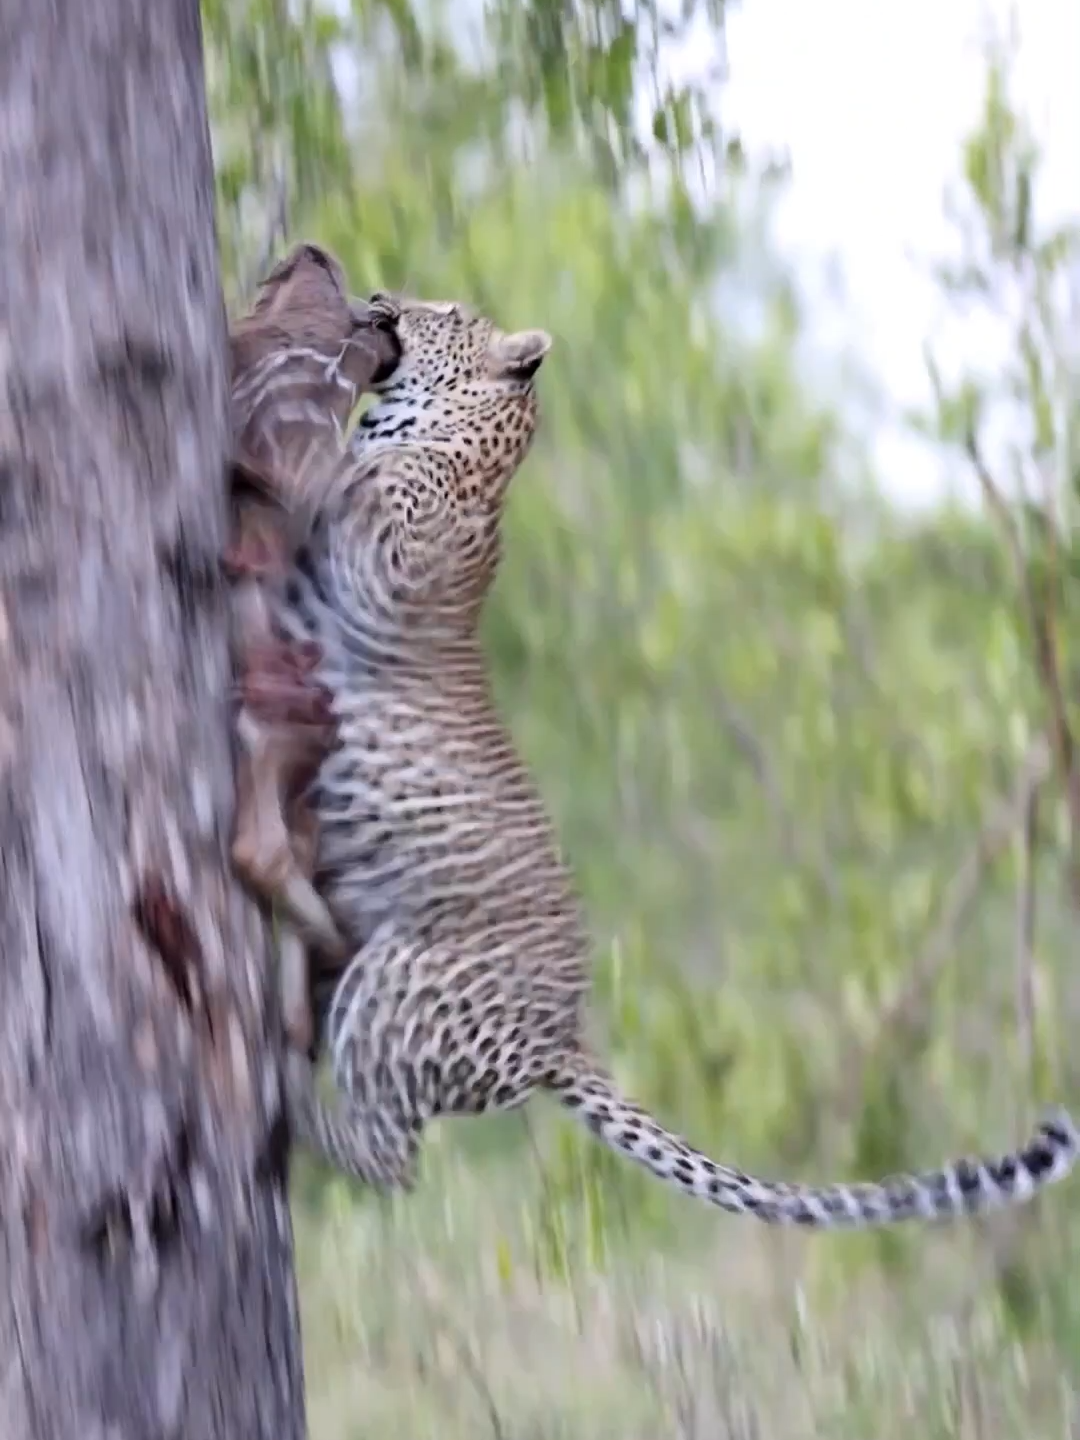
point(1041, 621)
point(1025, 954)
point(908, 1007)
point(278, 224)
point(551, 1200)
point(797, 851)
point(470, 1365)
point(277, 231)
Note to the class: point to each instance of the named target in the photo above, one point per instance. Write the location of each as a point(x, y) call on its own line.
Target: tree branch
point(907, 1008)
point(1039, 610)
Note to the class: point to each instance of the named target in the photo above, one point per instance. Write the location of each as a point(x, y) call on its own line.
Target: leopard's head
point(461, 383)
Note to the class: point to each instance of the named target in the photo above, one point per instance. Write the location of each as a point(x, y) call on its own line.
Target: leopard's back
point(426, 810)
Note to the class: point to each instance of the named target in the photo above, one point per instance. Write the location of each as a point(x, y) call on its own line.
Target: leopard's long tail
point(959, 1188)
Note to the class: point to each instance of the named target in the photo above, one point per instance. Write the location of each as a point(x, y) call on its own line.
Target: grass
point(442, 1314)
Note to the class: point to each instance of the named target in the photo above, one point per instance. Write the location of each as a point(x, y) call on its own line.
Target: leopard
point(468, 989)
point(300, 359)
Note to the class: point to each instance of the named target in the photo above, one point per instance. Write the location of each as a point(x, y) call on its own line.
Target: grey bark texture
point(146, 1286)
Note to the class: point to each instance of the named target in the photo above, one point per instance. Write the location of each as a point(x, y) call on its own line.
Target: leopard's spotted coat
point(469, 984)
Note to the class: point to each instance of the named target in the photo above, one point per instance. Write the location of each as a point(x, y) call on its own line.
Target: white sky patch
point(871, 102)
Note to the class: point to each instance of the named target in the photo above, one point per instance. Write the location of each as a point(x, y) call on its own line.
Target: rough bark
point(146, 1282)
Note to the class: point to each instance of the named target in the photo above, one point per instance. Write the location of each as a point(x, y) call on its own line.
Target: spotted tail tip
point(1053, 1150)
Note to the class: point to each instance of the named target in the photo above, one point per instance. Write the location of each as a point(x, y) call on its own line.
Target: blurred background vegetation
point(810, 751)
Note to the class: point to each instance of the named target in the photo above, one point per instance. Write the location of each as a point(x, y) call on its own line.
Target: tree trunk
point(146, 1284)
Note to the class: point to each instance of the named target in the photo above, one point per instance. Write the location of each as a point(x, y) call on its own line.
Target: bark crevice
point(145, 1244)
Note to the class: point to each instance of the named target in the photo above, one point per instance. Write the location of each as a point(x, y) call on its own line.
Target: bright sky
point(871, 101)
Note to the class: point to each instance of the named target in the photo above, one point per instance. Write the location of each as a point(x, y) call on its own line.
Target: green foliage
point(771, 718)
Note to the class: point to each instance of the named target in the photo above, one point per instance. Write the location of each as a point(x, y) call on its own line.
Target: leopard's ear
point(519, 356)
